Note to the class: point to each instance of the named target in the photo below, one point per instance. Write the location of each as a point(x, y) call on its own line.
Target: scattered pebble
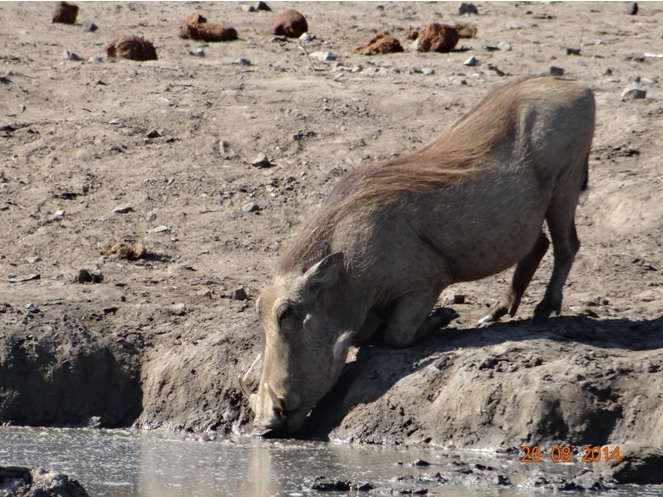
point(262, 6)
point(381, 43)
point(632, 9)
point(324, 56)
point(85, 276)
point(22, 279)
point(420, 462)
point(323, 484)
point(471, 62)
point(428, 71)
point(459, 298)
point(633, 92)
point(123, 209)
point(96, 59)
point(250, 207)
point(160, 229)
point(504, 46)
point(239, 294)
point(467, 8)
point(198, 52)
point(71, 56)
point(261, 161)
point(249, 8)
point(178, 309)
point(556, 71)
point(132, 48)
point(572, 51)
point(132, 252)
point(196, 27)
point(90, 27)
point(242, 62)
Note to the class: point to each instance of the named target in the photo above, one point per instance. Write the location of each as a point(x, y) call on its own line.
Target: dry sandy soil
point(103, 151)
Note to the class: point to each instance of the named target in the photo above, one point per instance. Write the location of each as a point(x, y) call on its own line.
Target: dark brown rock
point(290, 23)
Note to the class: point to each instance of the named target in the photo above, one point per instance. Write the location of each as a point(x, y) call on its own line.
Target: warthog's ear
point(322, 275)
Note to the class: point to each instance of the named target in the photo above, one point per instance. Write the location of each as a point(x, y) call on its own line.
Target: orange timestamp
point(564, 453)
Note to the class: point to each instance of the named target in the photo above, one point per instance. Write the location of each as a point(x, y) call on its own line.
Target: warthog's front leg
point(522, 276)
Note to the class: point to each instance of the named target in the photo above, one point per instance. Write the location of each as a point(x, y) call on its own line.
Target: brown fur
point(436, 37)
point(381, 43)
point(196, 27)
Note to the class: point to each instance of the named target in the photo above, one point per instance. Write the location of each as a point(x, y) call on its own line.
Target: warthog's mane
point(445, 161)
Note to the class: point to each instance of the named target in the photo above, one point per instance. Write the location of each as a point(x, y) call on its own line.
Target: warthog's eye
point(286, 316)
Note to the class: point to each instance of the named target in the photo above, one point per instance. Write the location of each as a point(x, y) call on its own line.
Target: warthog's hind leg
point(525, 269)
point(409, 320)
point(565, 246)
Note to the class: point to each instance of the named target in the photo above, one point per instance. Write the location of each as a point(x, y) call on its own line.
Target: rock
point(324, 56)
point(85, 276)
point(242, 62)
point(249, 8)
point(428, 71)
point(436, 37)
point(90, 27)
point(21, 481)
point(556, 71)
point(467, 8)
point(638, 464)
point(381, 43)
point(123, 209)
point(459, 298)
point(262, 6)
point(131, 47)
point(198, 52)
point(324, 484)
point(633, 92)
point(504, 46)
point(33, 260)
point(261, 161)
point(239, 294)
point(420, 463)
point(71, 56)
point(22, 279)
point(178, 309)
point(290, 23)
point(196, 27)
point(471, 62)
point(632, 8)
point(572, 51)
point(466, 29)
point(96, 59)
point(250, 207)
point(65, 13)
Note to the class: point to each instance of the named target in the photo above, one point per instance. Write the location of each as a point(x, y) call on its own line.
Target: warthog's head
point(305, 347)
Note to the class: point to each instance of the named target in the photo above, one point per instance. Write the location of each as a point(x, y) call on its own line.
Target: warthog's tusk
point(276, 402)
point(242, 386)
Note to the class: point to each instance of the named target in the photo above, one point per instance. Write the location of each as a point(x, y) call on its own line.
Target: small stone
point(632, 9)
point(261, 161)
point(33, 260)
point(358, 68)
point(96, 59)
point(58, 215)
point(71, 56)
point(428, 71)
point(249, 8)
point(160, 229)
point(85, 276)
point(239, 294)
point(65, 13)
point(471, 62)
point(324, 56)
point(608, 71)
point(123, 209)
point(290, 23)
point(198, 52)
point(556, 71)
point(459, 298)
point(467, 8)
point(242, 62)
point(250, 207)
point(90, 27)
point(178, 309)
point(633, 93)
point(262, 6)
point(504, 46)
point(572, 51)
point(420, 462)
point(490, 48)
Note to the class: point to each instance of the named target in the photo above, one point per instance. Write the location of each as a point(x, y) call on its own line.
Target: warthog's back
point(481, 188)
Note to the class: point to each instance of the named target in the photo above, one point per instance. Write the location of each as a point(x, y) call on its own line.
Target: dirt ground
point(98, 152)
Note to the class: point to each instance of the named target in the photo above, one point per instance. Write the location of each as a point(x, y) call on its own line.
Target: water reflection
point(133, 464)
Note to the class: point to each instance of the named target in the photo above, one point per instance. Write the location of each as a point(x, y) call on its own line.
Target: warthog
point(391, 236)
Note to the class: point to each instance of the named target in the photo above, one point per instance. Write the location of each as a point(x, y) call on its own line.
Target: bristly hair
point(448, 159)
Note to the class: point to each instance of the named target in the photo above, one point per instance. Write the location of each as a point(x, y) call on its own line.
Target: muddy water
point(137, 464)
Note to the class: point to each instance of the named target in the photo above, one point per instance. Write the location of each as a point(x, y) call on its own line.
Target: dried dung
point(65, 13)
point(196, 27)
point(129, 251)
point(131, 47)
point(436, 37)
point(466, 30)
point(381, 43)
point(290, 23)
